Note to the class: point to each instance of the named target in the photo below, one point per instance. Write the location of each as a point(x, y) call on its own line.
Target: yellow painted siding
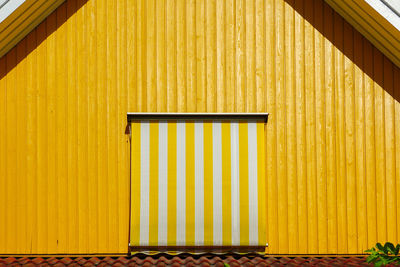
point(332, 139)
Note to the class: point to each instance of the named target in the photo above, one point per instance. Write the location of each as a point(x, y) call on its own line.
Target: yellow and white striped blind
point(198, 183)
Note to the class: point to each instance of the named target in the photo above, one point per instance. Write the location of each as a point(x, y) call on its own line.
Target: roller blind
point(197, 183)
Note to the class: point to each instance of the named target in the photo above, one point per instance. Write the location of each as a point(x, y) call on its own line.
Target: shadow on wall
point(38, 35)
point(331, 25)
point(351, 43)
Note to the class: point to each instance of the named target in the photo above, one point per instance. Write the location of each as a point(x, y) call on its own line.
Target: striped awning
point(198, 182)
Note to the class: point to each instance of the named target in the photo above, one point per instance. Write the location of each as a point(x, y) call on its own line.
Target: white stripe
point(235, 183)
point(253, 193)
point(181, 184)
point(217, 183)
point(199, 183)
point(144, 183)
point(163, 183)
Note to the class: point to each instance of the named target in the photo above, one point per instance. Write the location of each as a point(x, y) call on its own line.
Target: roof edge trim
point(23, 20)
point(132, 116)
point(380, 32)
point(9, 7)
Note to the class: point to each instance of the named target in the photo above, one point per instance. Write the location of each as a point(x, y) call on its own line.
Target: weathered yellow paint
point(332, 139)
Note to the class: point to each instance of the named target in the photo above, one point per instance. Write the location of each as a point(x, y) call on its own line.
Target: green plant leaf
point(390, 248)
point(383, 255)
point(371, 258)
point(226, 264)
point(397, 249)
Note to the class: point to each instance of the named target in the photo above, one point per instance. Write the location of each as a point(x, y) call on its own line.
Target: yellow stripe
point(135, 184)
point(261, 183)
point(208, 184)
point(153, 202)
point(190, 185)
point(226, 184)
point(171, 236)
point(244, 183)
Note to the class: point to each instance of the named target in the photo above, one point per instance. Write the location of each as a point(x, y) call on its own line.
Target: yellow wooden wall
point(333, 135)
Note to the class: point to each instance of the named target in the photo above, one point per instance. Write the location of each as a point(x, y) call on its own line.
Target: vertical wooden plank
point(359, 97)
point(161, 57)
point(51, 131)
point(171, 56)
point(370, 163)
point(201, 56)
point(112, 125)
point(320, 129)
point(21, 135)
point(380, 157)
point(280, 84)
point(330, 112)
point(271, 146)
point(21, 86)
point(61, 118)
point(291, 127)
point(32, 139)
point(141, 55)
point(42, 184)
point(131, 48)
point(221, 58)
point(73, 100)
point(260, 55)
point(191, 56)
point(230, 45)
point(11, 160)
point(390, 167)
point(349, 140)
point(211, 55)
point(340, 136)
point(151, 59)
point(310, 130)
point(301, 127)
point(123, 170)
point(93, 173)
point(250, 56)
point(3, 152)
point(396, 95)
point(240, 56)
point(82, 159)
point(101, 21)
point(181, 56)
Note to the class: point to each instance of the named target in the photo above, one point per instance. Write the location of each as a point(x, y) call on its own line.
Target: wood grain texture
point(332, 139)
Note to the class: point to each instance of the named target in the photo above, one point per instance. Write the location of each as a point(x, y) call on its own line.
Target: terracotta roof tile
point(187, 260)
